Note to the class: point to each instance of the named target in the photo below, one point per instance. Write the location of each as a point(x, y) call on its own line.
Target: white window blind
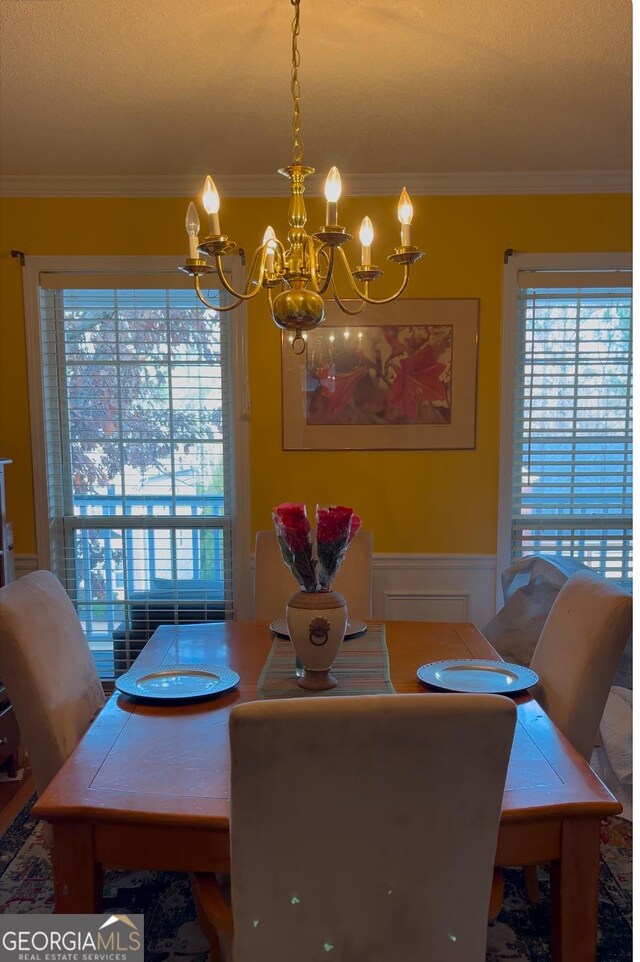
point(572, 427)
point(137, 408)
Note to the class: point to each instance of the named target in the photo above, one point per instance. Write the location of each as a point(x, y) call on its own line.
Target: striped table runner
point(361, 667)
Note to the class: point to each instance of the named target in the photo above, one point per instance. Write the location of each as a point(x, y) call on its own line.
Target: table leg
point(575, 880)
point(77, 875)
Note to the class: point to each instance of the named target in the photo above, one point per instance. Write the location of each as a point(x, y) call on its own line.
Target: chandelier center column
point(297, 235)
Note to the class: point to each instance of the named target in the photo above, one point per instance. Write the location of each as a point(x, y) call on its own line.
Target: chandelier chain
point(298, 146)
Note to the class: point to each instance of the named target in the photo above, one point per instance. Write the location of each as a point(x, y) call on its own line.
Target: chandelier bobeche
point(296, 277)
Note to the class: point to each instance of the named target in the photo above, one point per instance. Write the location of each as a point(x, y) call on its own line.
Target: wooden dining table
point(148, 785)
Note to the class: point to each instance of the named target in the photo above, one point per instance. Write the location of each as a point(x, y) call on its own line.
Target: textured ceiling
point(174, 87)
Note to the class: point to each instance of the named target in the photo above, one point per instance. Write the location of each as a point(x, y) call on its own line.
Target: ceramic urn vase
point(316, 621)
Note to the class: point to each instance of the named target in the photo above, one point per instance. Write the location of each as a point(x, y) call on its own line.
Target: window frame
point(239, 400)
point(514, 263)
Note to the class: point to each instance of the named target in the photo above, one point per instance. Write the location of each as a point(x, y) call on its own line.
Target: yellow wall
point(415, 501)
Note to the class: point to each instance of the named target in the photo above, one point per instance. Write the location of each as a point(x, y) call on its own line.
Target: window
point(140, 438)
point(566, 477)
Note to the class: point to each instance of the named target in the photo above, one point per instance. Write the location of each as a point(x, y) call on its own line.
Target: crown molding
point(271, 185)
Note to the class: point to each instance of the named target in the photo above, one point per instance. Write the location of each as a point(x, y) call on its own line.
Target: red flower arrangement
point(336, 527)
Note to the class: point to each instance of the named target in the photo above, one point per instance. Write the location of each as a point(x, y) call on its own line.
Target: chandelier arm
point(270, 303)
point(321, 253)
point(328, 277)
point(279, 252)
point(365, 296)
point(227, 286)
point(349, 276)
point(342, 305)
point(260, 252)
point(214, 307)
point(392, 297)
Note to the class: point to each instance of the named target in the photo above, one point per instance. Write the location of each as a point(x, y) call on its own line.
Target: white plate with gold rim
point(477, 675)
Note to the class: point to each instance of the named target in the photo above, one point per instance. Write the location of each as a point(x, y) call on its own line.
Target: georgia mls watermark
point(71, 938)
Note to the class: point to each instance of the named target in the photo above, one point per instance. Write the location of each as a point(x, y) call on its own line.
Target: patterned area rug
point(520, 934)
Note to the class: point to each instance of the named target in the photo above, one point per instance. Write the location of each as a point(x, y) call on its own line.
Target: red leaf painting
point(418, 380)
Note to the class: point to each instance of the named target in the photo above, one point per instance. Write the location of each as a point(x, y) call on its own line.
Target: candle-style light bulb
point(366, 239)
point(332, 191)
point(269, 237)
point(405, 216)
point(192, 223)
point(211, 201)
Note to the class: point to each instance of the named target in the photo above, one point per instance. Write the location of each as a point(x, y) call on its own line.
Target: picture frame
point(398, 376)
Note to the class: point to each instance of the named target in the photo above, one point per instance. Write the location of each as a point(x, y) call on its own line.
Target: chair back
point(366, 827)
point(274, 584)
point(48, 670)
point(577, 655)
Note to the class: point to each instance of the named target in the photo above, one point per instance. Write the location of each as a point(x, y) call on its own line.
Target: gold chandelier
point(296, 277)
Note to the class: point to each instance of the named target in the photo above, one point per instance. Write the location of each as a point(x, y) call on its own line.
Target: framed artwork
point(401, 375)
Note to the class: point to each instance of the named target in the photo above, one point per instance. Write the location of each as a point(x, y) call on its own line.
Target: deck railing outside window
point(114, 563)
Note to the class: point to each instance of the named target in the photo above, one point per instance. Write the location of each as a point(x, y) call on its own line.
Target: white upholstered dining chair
point(48, 671)
point(361, 828)
point(274, 584)
point(577, 655)
point(576, 658)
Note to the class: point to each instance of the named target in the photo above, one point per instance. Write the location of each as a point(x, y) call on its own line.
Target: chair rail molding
point(413, 587)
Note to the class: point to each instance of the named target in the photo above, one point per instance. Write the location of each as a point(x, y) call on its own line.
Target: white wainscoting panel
point(434, 587)
point(405, 606)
